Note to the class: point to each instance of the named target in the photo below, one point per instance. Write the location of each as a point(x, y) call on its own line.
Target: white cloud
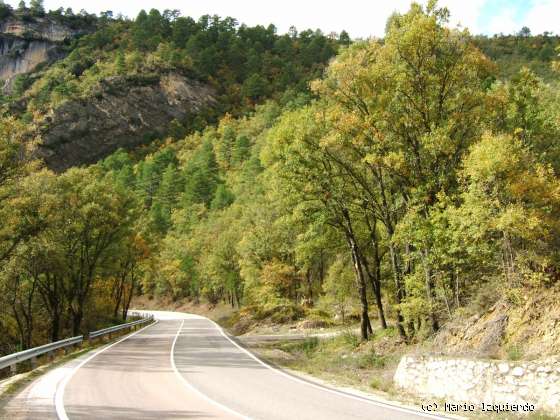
point(503, 23)
point(465, 13)
point(543, 16)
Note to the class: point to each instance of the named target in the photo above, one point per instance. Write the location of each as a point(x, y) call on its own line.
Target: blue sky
point(501, 15)
point(516, 10)
point(361, 18)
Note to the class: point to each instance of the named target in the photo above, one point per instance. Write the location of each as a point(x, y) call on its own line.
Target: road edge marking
point(322, 387)
point(59, 393)
point(190, 386)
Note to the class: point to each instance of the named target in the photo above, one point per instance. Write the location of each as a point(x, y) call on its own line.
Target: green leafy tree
point(340, 292)
point(92, 216)
point(418, 100)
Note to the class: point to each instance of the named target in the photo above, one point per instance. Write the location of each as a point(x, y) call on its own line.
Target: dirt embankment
point(520, 326)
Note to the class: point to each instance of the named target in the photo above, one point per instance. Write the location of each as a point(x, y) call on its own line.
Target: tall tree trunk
point(389, 223)
point(55, 324)
point(321, 268)
point(376, 287)
point(309, 280)
point(399, 287)
point(375, 276)
point(365, 324)
point(430, 292)
point(407, 270)
point(235, 298)
point(128, 299)
point(77, 316)
point(118, 294)
point(380, 310)
point(51, 296)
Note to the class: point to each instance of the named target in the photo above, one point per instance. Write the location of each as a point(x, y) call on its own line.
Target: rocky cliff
point(125, 112)
point(25, 44)
point(122, 111)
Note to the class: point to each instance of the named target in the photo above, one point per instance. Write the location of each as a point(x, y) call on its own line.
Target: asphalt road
point(185, 367)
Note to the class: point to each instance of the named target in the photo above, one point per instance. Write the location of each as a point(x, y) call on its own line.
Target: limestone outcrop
point(27, 43)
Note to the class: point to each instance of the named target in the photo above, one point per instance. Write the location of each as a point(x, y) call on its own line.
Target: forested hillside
point(406, 181)
point(165, 74)
point(513, 52)
point(61, 235)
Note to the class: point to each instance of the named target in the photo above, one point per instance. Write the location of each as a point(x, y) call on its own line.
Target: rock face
point(39, 28)
point(125, 112)
point(26, 44)
point(18, 56)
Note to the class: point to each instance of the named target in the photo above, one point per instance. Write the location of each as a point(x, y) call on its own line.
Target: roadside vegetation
point(413, 185)
point(342, 360)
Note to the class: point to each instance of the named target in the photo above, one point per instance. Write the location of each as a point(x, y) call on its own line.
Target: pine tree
point(201, 176)
point(161, 217)
point(170, 187)
point(125, 177)
point(241, 150)
point(147, 182)
point(37, 7)
point(120, 63)
point(223, 198)
point(5, 9)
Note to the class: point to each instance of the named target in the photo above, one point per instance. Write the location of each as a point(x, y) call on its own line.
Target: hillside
point(63, 74)
point(513, 52)
point(66, 79)
point(407, 183)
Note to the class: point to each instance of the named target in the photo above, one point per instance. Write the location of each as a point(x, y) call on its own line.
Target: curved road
point(185, 367)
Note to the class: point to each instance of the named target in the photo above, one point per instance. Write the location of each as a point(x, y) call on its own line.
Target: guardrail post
point(13, 369)
point(34, 362)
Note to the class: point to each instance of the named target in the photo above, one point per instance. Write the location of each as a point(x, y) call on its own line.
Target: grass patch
point(344, 359)
point(371, 360)
point(379, 384)
point(350, 339)
point(514, 352)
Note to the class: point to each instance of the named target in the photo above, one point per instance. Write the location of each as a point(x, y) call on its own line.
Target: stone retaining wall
point(482, 381)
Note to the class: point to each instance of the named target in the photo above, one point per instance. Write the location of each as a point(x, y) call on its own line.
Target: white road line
point(190, 386)
point(59, 395)
point(323, 388)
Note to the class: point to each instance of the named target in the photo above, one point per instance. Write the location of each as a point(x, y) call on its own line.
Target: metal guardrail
point(106, 331)
point(12, 360)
